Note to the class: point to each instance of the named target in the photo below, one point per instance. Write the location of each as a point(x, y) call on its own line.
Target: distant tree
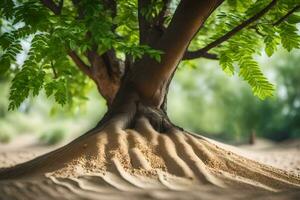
point(131, 50)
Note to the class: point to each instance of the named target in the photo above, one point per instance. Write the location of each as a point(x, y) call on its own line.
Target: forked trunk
point(136, 146)
point(129, 106)
point(136, 139)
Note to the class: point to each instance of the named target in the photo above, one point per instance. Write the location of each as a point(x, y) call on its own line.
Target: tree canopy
point(63, 36)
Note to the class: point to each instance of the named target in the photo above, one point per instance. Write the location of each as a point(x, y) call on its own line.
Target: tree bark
point(151, 78)
point(138, 102)
point(141, 94)
point(144, 89)
point(106, 76)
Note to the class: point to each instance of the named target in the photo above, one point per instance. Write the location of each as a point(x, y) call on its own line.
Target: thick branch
point(107, 80)
point(199, 53)
point(56, 9)
point(106, 69)
point(80, 64)
point(115, 66)
point(149, 77)
point(103, 70)
point(283, 18)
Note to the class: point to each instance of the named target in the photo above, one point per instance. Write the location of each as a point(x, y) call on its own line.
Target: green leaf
point(49, 88)
point(226, 63)
point(29, 79)
point(53, 35)
point(58, 89)
point(4, 65)
point(294, 19)
point(72, 45)
point(251, 73)
point(157, 57)
point(289, 36)
point(271, 44)
point(61, 93)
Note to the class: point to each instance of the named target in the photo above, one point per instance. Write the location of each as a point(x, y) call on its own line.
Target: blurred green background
point(202, 99)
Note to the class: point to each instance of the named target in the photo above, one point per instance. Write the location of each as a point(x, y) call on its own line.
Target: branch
point(199, 53)
point(80, 64)
point(56, 9)
point(53, 70)
point(191, 55)
point(105, 78)
point(150, 77)
point(239, 27)
point(283, 18)
point(115, 67)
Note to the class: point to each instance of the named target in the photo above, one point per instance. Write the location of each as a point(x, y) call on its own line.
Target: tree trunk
point(136, 137)
point(144, 89)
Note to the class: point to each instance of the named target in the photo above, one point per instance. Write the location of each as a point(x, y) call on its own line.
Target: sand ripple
point(144, 164)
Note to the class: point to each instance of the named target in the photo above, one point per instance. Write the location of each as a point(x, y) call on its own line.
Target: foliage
point(225, 109)
point(47, 65)
point(33, 120)
point(50, 37)
point(240, 50)
point(218, 106)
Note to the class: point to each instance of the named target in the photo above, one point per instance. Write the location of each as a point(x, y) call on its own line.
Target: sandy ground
point(285, 156)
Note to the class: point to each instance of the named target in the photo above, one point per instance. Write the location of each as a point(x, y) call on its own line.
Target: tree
point(131, 50)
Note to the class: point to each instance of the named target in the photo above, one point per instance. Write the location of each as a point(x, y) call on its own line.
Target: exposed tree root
point(141, 157)
point(138, 149)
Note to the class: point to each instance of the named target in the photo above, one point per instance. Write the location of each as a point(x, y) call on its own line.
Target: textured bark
point(105, 74)
point(144, 88)
point(135, 137)
point(146, 78)
point(141, 92)
point(151, 78)
point(151, 31)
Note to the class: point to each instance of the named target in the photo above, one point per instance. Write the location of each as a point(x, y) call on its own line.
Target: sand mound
point(141, 160)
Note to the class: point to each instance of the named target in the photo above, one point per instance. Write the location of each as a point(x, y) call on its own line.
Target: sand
point(145, 164)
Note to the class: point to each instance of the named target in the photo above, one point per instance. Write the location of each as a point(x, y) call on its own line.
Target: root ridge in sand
point(139, 159)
